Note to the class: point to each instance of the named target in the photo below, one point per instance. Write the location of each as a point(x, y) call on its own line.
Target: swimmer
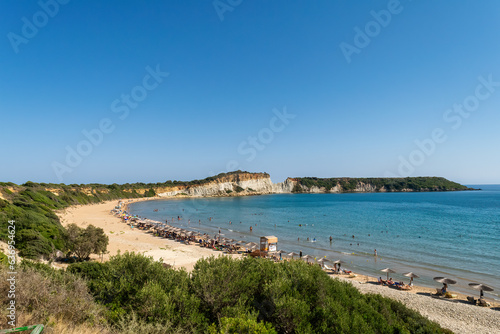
point(375, 252)
point(331, 238)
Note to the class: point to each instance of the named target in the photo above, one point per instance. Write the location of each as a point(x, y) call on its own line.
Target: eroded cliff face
point(247, 185)
point(234, 185)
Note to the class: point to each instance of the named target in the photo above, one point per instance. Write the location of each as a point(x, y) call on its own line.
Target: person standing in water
point(375, 252)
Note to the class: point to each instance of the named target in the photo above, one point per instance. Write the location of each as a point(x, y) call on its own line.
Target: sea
point(447, 234)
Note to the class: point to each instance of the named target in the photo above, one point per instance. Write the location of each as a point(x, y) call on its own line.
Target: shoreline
point(455, 314)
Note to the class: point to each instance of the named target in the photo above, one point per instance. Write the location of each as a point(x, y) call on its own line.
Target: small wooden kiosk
point(269, 244)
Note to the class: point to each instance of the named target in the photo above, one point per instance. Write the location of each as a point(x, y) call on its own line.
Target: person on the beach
point(444, 289)
point(331, 238)
point(375, 252)
point(300, 254)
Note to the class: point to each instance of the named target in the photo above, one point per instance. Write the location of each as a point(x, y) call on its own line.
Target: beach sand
point(123, 238)
point(455, 314)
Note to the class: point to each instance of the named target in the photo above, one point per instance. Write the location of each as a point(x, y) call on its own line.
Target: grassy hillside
point(381, 184)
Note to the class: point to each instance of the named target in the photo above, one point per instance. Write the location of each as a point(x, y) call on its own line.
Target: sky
point(149, 91)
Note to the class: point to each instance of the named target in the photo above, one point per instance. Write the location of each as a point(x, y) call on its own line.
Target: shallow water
point(452, 234)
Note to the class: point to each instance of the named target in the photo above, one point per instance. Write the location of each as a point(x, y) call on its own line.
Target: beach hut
point(269, 244)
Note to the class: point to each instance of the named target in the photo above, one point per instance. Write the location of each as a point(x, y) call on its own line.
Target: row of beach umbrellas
point(444, 280)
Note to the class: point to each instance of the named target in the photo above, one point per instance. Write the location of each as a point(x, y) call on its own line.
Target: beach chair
point(329, 268)
point(471, 300)
point(483, 302)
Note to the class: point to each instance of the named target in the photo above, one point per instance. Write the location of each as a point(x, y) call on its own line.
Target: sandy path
point(123, 238)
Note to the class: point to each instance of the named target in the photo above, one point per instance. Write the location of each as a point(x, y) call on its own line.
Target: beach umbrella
point(292, 254)
point(240, 242)
point(411, 275)
point(444, 280)
point(388, 270)
point(251, 244)
point(481, 287)
point(307, 257)
point(323, 260)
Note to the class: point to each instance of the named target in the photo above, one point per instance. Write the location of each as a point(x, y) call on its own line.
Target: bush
point(45, 294)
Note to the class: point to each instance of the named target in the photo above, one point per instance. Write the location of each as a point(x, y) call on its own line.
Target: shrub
point(45, 294)
point(83, 242)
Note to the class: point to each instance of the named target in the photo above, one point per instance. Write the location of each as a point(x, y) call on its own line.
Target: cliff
point(245, 184)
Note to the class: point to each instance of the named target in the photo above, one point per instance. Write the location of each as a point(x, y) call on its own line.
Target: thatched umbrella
point(411, 275)
point(292, 254)
point(481, 287)
point(388, 270)
point(444, 280)
point(322, 261)
point(307, 257)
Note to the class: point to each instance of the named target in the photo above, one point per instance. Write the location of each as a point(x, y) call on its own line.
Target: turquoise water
point(452, 234)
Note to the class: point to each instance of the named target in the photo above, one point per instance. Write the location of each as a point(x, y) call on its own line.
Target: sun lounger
point(329, 268)
point(471, 300)
point(483, 302)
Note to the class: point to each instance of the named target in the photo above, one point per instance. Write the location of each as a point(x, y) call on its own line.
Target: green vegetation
point(83, 242)
point(32, 205)
point(239, 189)
point(381, 184)
point(3, 259)
point(134, 294)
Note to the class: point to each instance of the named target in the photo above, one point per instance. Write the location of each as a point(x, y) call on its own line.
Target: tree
point(83, 242)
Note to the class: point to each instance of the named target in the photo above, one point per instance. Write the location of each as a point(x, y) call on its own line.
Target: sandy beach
point(455, 314)
point(123, 238)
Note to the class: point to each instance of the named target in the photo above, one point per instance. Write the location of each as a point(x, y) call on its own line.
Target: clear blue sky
point(228, 68)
